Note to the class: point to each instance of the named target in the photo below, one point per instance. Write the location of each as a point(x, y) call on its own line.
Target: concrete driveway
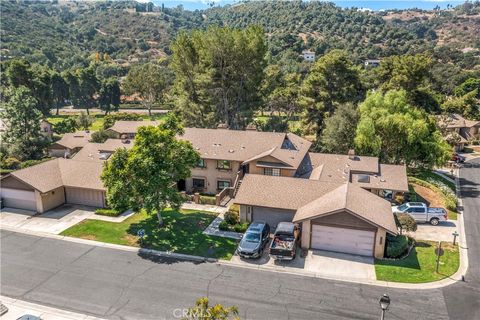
point(322, 263)
point(441, 232)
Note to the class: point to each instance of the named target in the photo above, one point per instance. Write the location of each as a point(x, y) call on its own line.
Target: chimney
point(222, 126)
point(351, 154)
point(251, 127)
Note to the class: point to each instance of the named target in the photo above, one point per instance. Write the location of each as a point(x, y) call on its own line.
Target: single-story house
point(52, 183)
point(127, 129)
point(46, 128)
point(69, 144)
point(334, 216)
point(101, 151)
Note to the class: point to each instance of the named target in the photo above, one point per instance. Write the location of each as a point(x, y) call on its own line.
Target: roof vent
point(222, 126)
point(231, 151)
point(383, 180)
point(351, 154)
point(365, 178)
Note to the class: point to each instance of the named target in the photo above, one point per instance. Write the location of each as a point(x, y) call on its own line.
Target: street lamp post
point(384, 303)
point(455, 235)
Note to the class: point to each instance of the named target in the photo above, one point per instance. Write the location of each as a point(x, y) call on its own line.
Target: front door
point(246, 168)
point(181, 185)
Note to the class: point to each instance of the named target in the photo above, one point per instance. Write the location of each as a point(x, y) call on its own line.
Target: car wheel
point(434, 222)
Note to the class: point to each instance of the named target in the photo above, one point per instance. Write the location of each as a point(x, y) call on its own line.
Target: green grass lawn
point(182, 233)
point(420, 265)
point(426, 175)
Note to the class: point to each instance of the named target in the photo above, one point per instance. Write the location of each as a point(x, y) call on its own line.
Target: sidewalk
point(18, 308)
point(213, 230)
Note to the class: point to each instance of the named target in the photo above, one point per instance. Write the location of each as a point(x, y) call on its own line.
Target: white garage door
point(20, 199)
point(86, 197)
point(343, 240)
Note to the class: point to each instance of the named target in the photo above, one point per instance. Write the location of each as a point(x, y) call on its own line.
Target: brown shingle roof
point(59, 172)
point(389, 177)
point(74, 140)
point(93, 151)
point(455, 120)
point(311, 198)
point(336, 167)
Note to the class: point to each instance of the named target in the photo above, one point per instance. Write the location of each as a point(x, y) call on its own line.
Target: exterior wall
point(380, 239)
point(211, 174)
point(83, 196)
point(271, 215)
point(306, 234)
point(58, 152)
point(344, 219)
point(243, 213)
point(51, 199)
point(254, 169)
point(14, 183)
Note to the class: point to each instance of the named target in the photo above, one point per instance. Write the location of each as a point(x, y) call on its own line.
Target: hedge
point(208, 200)
point(396, 246)
point(108, 212)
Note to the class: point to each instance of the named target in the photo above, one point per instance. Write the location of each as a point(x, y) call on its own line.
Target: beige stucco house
point(69, 144)
point(457, 128)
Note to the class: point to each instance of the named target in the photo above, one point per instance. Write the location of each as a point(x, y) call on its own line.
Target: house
point(308, 55)
point(334, 216)
point(372, 63)
point(100, 152)
point(457, 128)
point(46, 128)
point(52, 183)
point(127, 129)
point(69, 144)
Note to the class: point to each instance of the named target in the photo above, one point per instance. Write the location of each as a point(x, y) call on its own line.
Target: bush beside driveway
point(182, 233)
point(419, 266)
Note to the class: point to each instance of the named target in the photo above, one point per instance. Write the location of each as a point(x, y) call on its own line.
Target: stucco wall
point(380, 243)
point(52, 199)
point(211, 174)
point(306, 230)
point(344, 219)
point(253, 169)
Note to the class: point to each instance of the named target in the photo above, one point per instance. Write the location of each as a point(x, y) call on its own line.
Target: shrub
point(208, 200)
point(108, 212)
point(240, 227)
point(451, 202)
point(224, 226)
point(109, 120)
point(29, 163)
point(396, 246)
point(11, 163)
point(232, 217)
point(66, 125)
point(234, 208)
point(405, 222)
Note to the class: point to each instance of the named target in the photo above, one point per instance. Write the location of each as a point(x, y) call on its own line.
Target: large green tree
point(150, 81)
point(399, 133)
point(339, 133)
point(88, 87)
point(218, 75)
point(60, 91)
point(333, 80)
point(109, 95)
point(23, 137)
point(146, 175)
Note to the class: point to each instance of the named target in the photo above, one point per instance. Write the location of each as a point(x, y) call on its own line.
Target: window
point(201, 163)
point(223, 164)
point(271, 172)
point(198, 184)
point(222, 184)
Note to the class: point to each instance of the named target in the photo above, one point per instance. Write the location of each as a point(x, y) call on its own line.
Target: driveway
point(54, 221)
point(441, 232)
point(321, 263)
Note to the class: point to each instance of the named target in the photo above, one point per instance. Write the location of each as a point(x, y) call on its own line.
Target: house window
point(223, 164)
point(222, 184)
point(271, 172)
point(201, 163)
point(198, 184)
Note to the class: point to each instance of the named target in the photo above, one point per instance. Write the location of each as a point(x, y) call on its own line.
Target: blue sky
point(371, 4)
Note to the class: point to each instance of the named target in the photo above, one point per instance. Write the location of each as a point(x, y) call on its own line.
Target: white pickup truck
point(422, 213)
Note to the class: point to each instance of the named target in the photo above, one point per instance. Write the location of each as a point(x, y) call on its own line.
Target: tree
point(74, 92)
point(89, 85)
point(399, 133)
point(23, 136)
point(109, 95)
point(333, 80)
point(150, 81)
point(202, 310)
point(218, 75)
point(146, 175)
point(84, 121)
point(467, 105)
point(60, 90)
point(339, 133)
point(110, 119)
point(66, 125)
point(19, 73)
point(405, 222)
point(467, 86)
point(101, 136)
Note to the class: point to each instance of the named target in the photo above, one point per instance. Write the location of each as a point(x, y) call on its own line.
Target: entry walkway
point(213, 230)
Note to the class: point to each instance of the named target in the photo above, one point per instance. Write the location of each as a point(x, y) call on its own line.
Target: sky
point(369, 4)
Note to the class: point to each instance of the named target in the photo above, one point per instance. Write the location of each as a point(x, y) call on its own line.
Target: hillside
point(63, 33)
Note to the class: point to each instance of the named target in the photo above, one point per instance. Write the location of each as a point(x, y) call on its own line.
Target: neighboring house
point(52, 183)
point(127, 129)
point(100, 152)
point(372, 63)
point(308, 55)
point(69, 144)
point(46, 128)
point(459, 129)
point(334, 216)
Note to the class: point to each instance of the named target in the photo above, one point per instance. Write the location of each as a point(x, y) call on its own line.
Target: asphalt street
point(123, 285)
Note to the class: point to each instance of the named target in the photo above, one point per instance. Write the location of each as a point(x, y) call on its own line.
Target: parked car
point(284, 243)
point(422, 213)
point(458, 158)
point(254, 240)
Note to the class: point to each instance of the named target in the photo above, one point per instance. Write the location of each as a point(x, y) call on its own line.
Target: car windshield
point(403, 207)
point(252, 237)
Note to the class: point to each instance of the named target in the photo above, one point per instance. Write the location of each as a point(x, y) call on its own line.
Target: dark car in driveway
point(254, 240)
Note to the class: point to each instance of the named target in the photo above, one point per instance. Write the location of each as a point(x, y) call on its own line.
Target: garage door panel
point(20, 199)
point(344, 240)
point(87, 197)
point(272, 216)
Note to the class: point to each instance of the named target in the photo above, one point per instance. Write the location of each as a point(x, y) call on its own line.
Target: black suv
point(254, 240)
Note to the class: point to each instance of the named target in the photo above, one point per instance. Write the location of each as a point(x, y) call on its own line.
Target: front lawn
point(420, 265)
point(182, 233)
